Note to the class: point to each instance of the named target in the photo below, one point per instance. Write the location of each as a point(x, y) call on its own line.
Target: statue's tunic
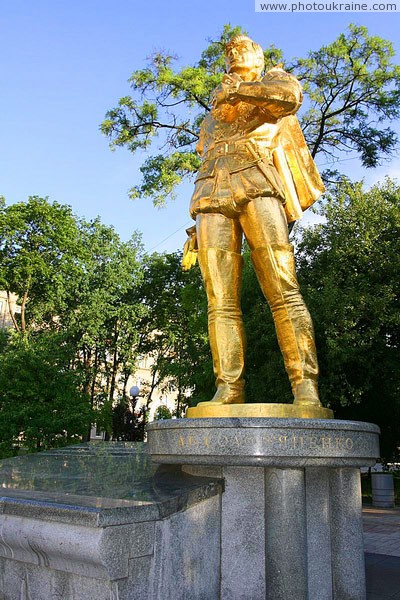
point(254, 147)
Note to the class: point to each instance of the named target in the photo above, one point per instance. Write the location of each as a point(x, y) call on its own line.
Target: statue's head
point(244, 57)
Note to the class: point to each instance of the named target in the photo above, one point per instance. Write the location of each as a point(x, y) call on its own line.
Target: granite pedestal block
point(291, 524)
point(100, 522)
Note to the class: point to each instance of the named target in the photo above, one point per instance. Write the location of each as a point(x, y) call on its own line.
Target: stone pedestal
point(291, 524)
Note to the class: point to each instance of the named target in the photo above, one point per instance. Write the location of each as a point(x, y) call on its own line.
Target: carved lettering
point(313, 443)
point(271, 440)
point(327, 442)
point(339, 443)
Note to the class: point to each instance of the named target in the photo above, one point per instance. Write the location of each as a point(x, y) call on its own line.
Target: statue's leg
point(265, 228)
point(221, 264)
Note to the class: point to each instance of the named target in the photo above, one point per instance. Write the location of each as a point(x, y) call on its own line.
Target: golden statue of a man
point(256, 176)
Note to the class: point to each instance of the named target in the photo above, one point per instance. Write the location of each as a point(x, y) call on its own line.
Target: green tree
point(40, 252)
point(102, 316)
point(352, 96)
point(353, 91)
point(349, 269)
point(41, 399)
point(128, 422)
point(162, 413)
point(77, 279)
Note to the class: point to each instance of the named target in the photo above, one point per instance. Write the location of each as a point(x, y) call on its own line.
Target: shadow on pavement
point(383, 577)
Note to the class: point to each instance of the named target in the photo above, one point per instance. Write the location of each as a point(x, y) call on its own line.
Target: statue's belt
point(225, 148)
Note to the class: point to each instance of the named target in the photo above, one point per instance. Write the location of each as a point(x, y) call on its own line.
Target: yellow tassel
point(190, 250)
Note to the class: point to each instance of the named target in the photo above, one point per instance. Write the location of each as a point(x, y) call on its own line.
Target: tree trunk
point(93, 386)
point(23, 305)
point(152, 388)
point(126, 378)
point(114, 365)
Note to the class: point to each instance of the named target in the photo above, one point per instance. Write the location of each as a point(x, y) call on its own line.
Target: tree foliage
point(128, 421)
point(76, 280)
point(42, 404)
point(102, 316)
point(40, 250)
point(353, 90)
point(162, 413)
point(104, 302)
point(352, 95)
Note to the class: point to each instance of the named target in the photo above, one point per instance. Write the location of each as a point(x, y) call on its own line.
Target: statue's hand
point(232, 81)
point(219, 95)
point(190, 249)
point(227, 90)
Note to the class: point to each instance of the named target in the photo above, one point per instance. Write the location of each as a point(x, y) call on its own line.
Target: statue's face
point(243, 60)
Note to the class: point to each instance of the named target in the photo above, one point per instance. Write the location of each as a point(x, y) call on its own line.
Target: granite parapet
point(101, 520)
point(98, 485)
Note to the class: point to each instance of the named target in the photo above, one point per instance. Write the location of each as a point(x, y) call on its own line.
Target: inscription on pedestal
point(263, 441)
point(272, 441)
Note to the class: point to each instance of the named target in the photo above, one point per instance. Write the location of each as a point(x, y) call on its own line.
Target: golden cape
point(297, 170)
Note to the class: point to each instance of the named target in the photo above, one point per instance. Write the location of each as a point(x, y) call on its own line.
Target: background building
point(5, 306)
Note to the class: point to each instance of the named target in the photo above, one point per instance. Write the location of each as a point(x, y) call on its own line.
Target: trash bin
point(382, 490)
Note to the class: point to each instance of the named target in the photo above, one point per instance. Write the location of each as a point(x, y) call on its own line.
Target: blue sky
point(64, 63)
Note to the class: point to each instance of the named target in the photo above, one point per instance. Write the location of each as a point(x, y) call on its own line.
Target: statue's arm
point(279, 93)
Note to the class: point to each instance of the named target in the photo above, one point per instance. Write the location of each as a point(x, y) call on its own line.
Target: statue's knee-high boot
point(222, 275)
point(275, 268)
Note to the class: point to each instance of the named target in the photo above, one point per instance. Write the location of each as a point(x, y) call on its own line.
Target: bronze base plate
point(207, 410)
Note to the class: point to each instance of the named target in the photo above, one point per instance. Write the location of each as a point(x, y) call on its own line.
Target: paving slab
point(382, 530)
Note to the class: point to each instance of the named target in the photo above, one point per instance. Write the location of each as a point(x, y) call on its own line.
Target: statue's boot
point(222, 275)
point(275, 268)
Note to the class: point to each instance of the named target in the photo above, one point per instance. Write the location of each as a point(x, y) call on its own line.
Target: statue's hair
point(237, 39)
